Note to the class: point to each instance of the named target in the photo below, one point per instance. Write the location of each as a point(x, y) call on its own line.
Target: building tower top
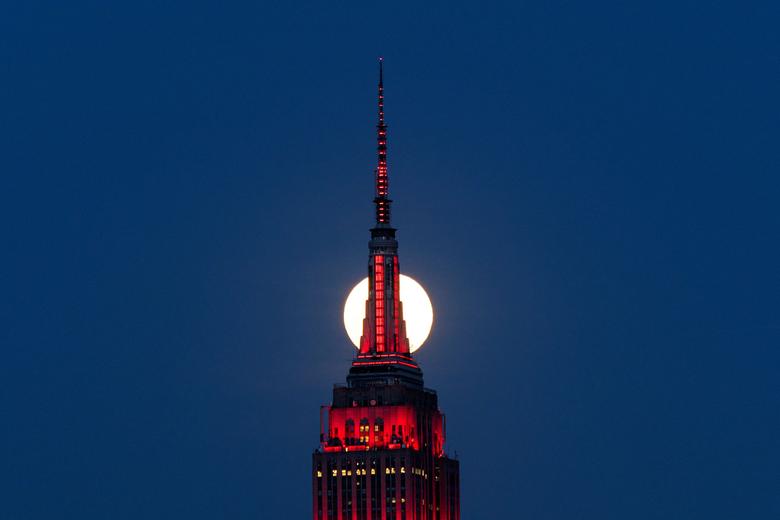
point(384, 347)
point(381, 454)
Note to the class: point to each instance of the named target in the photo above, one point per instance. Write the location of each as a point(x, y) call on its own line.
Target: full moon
point(417, 310)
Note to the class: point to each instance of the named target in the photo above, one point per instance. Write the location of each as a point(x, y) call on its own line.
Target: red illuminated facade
point(381, 454)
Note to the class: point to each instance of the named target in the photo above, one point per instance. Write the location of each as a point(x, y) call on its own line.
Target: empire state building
point(381, 453)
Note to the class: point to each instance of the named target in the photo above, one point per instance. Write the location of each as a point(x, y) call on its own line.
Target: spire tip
point(382, 202)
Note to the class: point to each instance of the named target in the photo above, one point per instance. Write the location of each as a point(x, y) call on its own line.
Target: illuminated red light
point(388, 427)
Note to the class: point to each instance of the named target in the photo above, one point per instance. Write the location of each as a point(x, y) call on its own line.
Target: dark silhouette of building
point(381, 454)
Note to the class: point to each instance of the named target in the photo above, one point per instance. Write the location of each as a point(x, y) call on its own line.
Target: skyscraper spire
point(382, 184)
point(384, 329)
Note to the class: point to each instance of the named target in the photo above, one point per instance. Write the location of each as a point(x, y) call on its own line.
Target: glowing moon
point(417, 309)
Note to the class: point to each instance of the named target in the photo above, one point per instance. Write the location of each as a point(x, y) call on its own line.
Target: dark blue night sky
point(588, 190)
